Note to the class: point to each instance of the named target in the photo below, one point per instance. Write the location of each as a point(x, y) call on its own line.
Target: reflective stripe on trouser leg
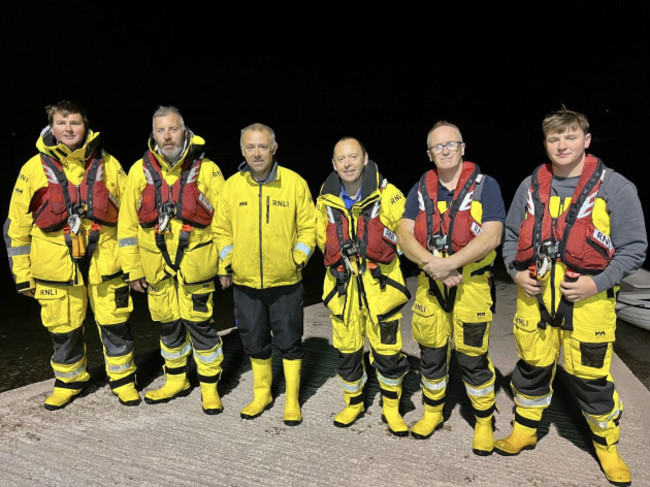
point(118, 344)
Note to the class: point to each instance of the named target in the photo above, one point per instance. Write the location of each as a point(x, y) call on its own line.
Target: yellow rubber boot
point(77, 377)
point(176, 385)
point(391, 396)
point(292, 415)
point(353, 410)
point(127, 394)
point(430, 422)
point(614, 467)
point(210, 400)
point(521, 438)
point(262, 398)
point(483, 443)
point(60, 398)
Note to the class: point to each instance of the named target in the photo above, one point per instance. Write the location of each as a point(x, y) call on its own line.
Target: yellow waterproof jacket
point(266, 232)
point(379, 288)
point(139, 252)
point(38, 255)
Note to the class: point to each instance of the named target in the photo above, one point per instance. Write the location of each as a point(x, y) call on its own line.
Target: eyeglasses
point(452, 146)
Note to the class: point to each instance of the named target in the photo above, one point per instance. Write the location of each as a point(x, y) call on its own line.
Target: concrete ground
point(95, 441)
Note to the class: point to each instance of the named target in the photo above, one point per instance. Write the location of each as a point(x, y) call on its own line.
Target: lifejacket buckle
point(165, 214)
point(74, 222)
point(437, 243)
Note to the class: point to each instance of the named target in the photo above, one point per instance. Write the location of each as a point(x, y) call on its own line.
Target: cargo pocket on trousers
point(388, 332)
point(593, 354)
point(200, 302)
point(473, 334)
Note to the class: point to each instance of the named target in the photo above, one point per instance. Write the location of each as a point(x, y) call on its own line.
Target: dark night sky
point(317, 74)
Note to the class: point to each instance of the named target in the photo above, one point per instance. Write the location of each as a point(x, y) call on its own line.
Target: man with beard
point(166, 245)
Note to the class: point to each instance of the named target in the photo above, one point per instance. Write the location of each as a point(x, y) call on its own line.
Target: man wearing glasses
point(451, 227)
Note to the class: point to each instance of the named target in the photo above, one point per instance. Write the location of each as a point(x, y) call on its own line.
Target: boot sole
point(418, 436)
point(292, 422)
point(253, 416)
point(212, 412)
point(508, 454)
point(133, 402)
point(482, 453)
point(396, 433)
point(52, 407)
point(183, 393)
point(338, 424)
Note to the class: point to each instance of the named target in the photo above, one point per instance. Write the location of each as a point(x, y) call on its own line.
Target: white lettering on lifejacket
point(476, 229)
point(205, 201)
point(603, 239)
point(467, 202)
point(587, 206)
point(388, 235)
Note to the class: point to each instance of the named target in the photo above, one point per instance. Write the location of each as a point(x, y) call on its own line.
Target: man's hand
point(531, 286)
point(139, 285)
point(30, 293)
point(582, 288)
point(225, 281)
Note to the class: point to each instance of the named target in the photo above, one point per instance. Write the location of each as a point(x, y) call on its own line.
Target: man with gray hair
point(167, 250)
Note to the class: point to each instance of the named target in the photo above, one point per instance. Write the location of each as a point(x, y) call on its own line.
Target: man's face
point(349, 160)
point(441, 152)
point(567, 149)
point(169, 135)
point(258, 152)
point(69, 130)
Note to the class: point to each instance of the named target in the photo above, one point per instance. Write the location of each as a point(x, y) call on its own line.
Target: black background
point(316, 72)
point(320, 72)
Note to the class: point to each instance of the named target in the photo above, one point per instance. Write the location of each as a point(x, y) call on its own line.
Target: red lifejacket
point(373, 240)
point(578, 243)
point(455, 228)
point(52, 205)
point(183, 200)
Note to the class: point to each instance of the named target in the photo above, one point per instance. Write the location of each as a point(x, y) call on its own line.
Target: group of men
point(81, 230)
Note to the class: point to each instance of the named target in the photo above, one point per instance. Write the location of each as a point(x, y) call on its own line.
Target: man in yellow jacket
point(166, 231)
point(266, 232)
point(61, 236)
point(364, 290)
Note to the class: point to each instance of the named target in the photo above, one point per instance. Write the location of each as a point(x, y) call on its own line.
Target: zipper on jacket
point(268, 208)
point(260, 237)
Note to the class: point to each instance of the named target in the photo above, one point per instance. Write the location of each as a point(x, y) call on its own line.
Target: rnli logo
point(205, 202)
point(284, 204)
point(476, 229)
point(395, 199)
point(48, 292)
point(420, 308)
point(603, 239)
point(520, 321)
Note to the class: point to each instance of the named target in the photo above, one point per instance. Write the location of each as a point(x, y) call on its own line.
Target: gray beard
point(172, 157)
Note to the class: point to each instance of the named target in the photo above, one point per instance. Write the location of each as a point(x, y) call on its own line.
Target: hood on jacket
point(47, 144)
point(193, 144)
